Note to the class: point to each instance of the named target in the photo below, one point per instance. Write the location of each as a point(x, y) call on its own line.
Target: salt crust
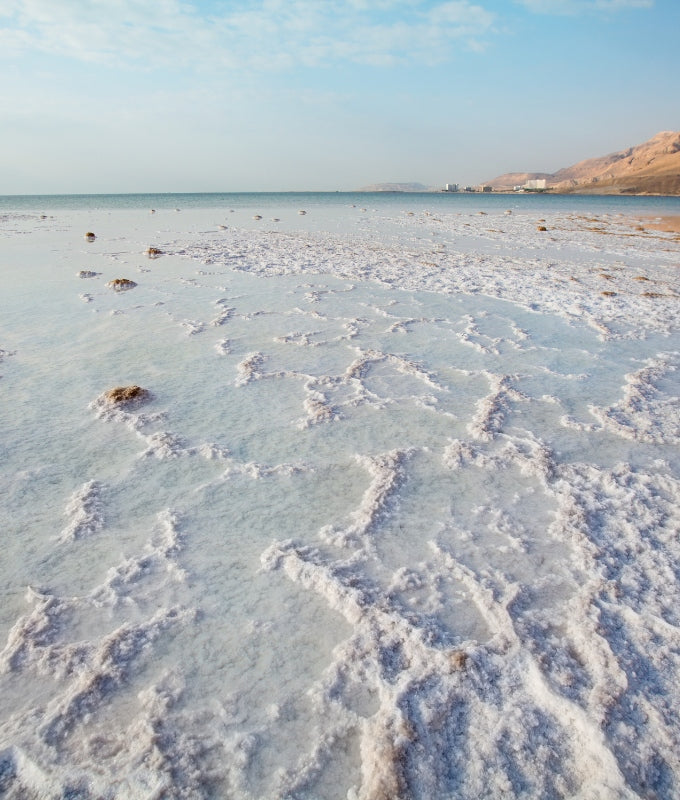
point(589, 683)
point(425, 676)
point(84, 511)
point(318, 389)
point(645, 414)
point(164, 444)
point(88, 674)
point(560, 275)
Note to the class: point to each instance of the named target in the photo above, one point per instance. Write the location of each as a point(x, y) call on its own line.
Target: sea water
point(398, 517)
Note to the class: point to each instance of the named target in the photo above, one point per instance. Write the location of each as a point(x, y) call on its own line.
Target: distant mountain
point(508, 181)
point(649, 168)
point(396, 187)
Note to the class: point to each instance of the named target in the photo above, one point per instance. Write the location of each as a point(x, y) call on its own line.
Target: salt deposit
point(397, 518)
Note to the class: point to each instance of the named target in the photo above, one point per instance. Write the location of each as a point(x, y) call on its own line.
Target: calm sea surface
point(440, 201)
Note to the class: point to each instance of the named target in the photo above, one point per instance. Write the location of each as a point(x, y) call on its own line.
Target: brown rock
point(121, 284)
point(458, 659)
point(124, 395)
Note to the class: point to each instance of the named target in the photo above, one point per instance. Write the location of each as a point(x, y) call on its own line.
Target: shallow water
point(398, 519)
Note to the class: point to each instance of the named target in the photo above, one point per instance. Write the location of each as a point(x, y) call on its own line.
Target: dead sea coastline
point(668, 224)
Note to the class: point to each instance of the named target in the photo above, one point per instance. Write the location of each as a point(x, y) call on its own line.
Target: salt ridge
point(575, 284)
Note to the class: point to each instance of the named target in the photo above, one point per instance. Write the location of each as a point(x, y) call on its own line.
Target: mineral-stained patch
point(121, 284)
point(124, 395)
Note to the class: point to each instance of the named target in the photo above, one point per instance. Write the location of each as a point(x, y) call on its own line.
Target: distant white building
point(451, 187)
point(537, 184)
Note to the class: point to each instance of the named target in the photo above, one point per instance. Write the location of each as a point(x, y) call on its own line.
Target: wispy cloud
point(261, 35)
point(569, 7)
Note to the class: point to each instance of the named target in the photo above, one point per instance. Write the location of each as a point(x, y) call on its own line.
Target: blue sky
point(266, 95)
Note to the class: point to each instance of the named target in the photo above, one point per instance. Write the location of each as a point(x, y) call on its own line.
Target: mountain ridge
point(652, 167)
point(396, 187)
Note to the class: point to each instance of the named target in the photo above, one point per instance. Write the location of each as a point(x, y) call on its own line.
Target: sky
point(324, 95)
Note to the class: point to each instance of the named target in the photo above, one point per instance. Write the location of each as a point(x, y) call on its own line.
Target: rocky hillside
point(649, 168)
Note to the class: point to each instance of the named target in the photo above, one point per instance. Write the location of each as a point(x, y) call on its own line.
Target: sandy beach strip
point(637, 225)
point(666, 224)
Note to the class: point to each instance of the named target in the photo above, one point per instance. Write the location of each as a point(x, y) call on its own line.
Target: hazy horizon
point(209, 96)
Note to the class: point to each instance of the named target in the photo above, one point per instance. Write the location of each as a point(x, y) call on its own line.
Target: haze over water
point(399, 517)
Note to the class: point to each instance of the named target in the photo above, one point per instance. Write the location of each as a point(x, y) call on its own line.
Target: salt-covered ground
point(399, 519)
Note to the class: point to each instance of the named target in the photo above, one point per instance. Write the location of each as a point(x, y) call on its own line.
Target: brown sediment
point(608, 294)
point(384, 764)
point(121, 395)
point(458, 659)
point(665, 224)
point(637, 226)
point(121, 284)
point(154, 252)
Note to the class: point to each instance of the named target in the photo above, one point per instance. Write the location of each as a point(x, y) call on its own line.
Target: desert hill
point(649, 168)
point(396, 187)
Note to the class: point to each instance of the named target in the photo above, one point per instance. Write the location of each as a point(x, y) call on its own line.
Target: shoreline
point(665, 223)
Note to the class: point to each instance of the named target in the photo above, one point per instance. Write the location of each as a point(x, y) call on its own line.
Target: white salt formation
point(399, 521)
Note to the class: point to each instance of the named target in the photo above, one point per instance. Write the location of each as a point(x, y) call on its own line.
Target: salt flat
point(398, 517)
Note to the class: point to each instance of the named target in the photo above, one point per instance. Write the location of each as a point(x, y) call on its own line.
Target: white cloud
point(102, 30)
point(581, 6)
point(267, 34)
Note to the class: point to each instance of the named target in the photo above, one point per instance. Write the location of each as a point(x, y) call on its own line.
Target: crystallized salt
point(401, 519)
